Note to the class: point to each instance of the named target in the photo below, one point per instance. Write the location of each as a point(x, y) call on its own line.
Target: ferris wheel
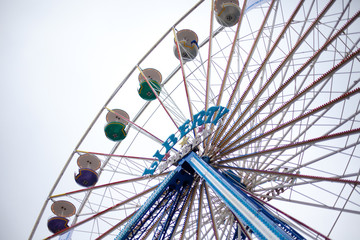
point(241, 122)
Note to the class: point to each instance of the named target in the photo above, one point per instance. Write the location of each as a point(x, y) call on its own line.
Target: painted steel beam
point(146, 206)
point(161, 208)
point(242, 207)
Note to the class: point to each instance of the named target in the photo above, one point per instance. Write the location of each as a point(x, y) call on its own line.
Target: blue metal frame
point(242, 207)
point(238, 185)
point(165, 205)
point(168, 226)
point(171, 229)
point(168, 195)
point(151, 215)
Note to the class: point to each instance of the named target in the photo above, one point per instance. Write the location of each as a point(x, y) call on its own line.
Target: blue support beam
point(167, 224)
point(285, 227)
point(177, 215)
point(165, 205)
point(243, 208)
point(131, 227)
point(151, 215)
point(160, 207)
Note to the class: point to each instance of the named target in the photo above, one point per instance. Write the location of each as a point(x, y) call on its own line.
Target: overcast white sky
point(59, 62)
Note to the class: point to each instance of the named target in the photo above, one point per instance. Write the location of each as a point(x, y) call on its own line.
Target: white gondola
point(188, 45)
point(227, 12)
